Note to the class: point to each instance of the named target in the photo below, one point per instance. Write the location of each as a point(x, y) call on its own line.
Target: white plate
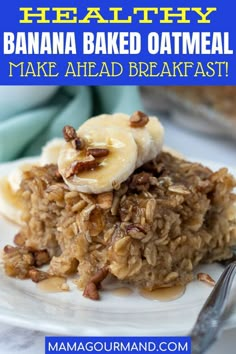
point(22, 304)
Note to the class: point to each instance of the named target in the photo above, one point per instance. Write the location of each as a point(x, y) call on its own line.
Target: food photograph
point(117, 213)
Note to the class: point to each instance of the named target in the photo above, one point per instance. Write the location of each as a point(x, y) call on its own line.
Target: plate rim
point(25, 321)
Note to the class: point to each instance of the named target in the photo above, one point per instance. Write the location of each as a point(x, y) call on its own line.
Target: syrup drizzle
point(164, 294)
point(121, 292)
point(52, 285)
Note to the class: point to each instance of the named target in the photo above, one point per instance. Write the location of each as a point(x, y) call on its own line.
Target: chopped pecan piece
point(88, 163)
point(91, 292)
point(206, 278)
point(78, 143)
point(69, 133)
point(37, 275)
point(140, 181)
point(98, 152)
point(41, 257)
point(99, 276)
point(138, 119)
point(94, 284)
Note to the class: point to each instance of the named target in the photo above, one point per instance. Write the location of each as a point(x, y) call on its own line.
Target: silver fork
point(209, 322)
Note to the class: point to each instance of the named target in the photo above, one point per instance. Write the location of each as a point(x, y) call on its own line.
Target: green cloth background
point(25, 133)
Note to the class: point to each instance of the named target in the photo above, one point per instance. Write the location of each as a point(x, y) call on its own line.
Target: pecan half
point(69, 133)
point(138, 119)
point(98, 152)
point(88, 163)
point(206, 278)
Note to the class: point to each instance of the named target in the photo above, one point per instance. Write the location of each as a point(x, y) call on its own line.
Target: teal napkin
point(24, 134)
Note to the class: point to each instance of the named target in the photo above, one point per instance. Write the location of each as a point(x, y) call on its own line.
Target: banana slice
point(15, 177)
point(93, 173)
point(120, 120)
point(10, 203)
point(50, 151)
